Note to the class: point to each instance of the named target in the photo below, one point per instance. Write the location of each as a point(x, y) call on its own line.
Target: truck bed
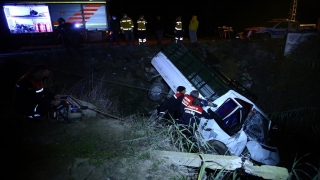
point(179, 66)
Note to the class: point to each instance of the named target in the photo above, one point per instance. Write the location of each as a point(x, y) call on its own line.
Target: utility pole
point(293, 10)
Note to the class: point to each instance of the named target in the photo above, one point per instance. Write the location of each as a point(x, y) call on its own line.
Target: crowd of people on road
point(126, 26)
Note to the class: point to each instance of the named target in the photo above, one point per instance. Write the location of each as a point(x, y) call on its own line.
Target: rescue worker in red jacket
point(32, 99)
point(169, 109)
point(187, 100)
point(193, 113)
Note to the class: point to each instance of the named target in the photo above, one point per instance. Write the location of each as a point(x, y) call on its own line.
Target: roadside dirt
point(106, 148)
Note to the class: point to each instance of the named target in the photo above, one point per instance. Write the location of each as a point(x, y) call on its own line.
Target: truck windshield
point(269, 24)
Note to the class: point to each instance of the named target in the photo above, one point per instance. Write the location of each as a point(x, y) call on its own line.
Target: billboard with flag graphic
point(88, 16)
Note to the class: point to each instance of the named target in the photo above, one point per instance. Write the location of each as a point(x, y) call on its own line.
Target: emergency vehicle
point(278, 28)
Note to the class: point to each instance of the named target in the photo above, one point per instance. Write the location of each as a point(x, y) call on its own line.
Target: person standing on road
point(126, 25)
point(178, 31)
point(142, 30)
point(159, 27)
point(193, 26)
point(168, 109)
point(114, 30)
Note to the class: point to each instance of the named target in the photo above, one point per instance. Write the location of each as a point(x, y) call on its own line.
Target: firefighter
point(32, 99)
point(126, 26)
point(178, 29)
point(114, 30)
point(142, 31)
point(169, 109)
point(193, 113)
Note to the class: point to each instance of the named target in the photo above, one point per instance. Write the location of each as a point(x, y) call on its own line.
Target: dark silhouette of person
point(67, 36)
point(114, 30)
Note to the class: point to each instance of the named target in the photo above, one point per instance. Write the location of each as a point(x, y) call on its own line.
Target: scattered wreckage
point(239, 127)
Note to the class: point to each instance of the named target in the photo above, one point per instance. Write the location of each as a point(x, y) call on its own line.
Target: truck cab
point(176, 66)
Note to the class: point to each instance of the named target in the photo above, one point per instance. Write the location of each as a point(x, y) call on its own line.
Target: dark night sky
point(212, 13)
point(238, 14)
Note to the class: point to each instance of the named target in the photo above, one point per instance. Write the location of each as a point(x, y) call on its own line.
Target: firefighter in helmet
point(142, 31)
point(126, 26)
point(178, 29)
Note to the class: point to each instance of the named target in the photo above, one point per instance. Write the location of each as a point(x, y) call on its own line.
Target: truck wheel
point(266, 36)
point(216, 147)
point(157, 91)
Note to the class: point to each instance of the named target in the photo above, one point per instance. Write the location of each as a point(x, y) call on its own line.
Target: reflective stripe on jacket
point(141, 24)
point(187, 100)
point(178, 25)
point(37, 85)
point(126, 24)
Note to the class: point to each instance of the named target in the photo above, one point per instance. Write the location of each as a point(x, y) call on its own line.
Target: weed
point(178, 178)
point(144, 156)
point(298, 170)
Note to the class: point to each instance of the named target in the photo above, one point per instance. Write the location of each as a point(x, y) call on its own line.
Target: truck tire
point(157, 91)
point(266, 36)
point(216, 147)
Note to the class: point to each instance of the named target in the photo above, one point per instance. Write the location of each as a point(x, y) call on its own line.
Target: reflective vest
point(126, 24)
point(193, 109)
point(178, 25)
point(141, 24)
point(37, 85)
point(187, 100)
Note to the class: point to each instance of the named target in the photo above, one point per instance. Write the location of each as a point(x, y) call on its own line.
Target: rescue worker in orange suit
point(114, 30)
point(142, 30)
point(188, 99)
point(33, 100)
point(126, 26)
point(193, 113)
point(178, 31)
point(169, 109)
point(67, 36)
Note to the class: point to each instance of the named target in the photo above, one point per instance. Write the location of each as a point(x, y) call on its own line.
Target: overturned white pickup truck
point(239, 127)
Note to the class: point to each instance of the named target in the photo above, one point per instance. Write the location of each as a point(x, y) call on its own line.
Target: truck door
point(232, 114)
point(281, 30)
